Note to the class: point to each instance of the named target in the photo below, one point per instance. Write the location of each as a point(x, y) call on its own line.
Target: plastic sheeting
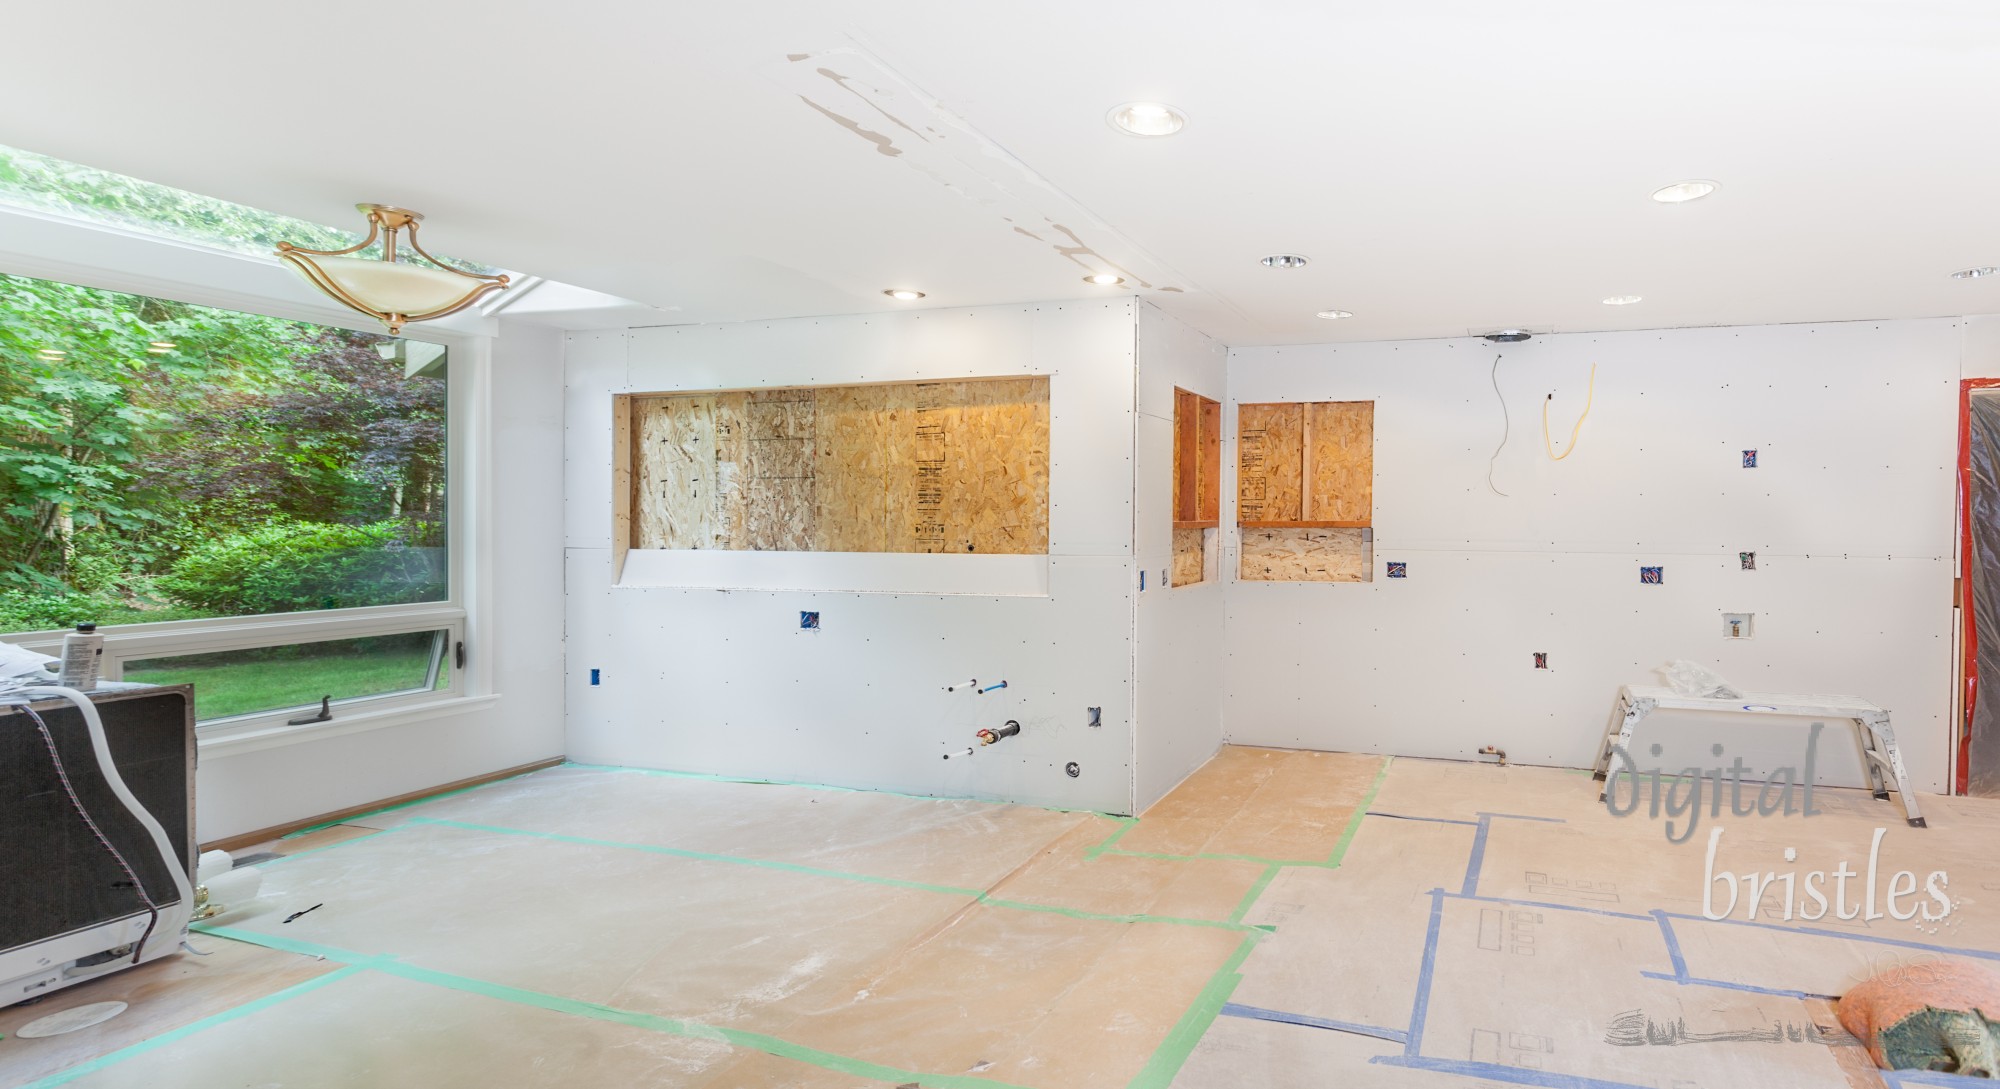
point(1983, 470)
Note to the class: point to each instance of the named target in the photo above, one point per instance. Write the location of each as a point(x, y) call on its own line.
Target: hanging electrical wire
point(76, 803)
point(1506, 428)
point(1574, 431)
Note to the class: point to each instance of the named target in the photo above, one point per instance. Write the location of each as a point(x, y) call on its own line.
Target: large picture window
point(171, 471)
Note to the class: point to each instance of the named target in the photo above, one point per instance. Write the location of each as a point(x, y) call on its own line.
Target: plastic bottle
point(82, 650)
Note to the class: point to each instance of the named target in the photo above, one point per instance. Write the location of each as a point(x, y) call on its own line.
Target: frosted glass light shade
point(394, 288)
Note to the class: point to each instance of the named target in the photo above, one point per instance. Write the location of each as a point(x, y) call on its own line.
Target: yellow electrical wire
point(1574, 431)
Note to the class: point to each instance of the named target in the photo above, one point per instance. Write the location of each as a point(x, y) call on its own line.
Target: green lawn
point(245, 681)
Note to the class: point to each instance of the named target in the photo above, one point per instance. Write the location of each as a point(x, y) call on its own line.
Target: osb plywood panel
point(991, 440)
point(1270, 440)
point(1342, 457)
point(777, 473)
point(624, 482)
point(1197, 457)
point(1210, 505)
point(1189, 545)
point(867, 433)
point(676, 489)
point(1307, 555)
point(1186, 480)
point(909, 467)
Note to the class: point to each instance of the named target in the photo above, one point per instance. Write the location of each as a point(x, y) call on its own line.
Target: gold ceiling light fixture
point(391, 289)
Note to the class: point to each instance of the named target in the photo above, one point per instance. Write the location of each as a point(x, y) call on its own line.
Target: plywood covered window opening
point(1305, 491)
point(959, 466)
point(1197, 484)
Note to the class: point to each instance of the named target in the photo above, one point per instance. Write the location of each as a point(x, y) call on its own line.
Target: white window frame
point(139, 264)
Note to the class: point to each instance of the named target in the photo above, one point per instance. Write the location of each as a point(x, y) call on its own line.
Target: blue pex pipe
point(992, 687)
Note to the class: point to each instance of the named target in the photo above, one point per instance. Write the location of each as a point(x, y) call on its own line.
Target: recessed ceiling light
point(1286, 260)
point(1335, 315)
point(1974, 273)
point(1147, 119)
point(1621, 300)
point(1684, 191)
point(1105, 279)
point(903, 294)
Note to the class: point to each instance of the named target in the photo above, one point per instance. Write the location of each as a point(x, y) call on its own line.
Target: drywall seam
point(1844, 603)
point(1133, 634)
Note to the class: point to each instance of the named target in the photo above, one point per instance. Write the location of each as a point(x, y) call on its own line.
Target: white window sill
point(983, 575)
point(350, 722)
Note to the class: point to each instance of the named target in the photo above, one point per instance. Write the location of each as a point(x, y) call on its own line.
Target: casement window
point(261, 507)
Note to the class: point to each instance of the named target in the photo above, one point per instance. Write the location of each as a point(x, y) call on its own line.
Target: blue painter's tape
point(1899, 1078)
point(1551, 907)
point(1426, 820)
point(1235, 1009)
point(1514, 1075)
point(1478, 857)
point(1673, 946)
point(1723, 984)
point(1817, 932)
point(1419, 1009)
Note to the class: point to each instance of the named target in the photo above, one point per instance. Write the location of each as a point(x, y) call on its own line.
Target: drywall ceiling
point(1447, 166)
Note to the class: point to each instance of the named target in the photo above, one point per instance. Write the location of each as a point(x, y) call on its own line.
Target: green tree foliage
point(135, 432)
point(83, 392)
point(44, 184)
point(283, 567)
point(147, 443)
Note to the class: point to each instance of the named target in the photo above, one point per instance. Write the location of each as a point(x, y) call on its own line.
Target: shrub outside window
point(174, 473)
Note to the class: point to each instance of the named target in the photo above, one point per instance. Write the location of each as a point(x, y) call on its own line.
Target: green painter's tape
point(1360, 811)
point(1160, 1071)
point(975, 895)
point(714, 777)
point(756, 1041)
point(1168, 1058)
point(181, 1033)
point(1098, 916)
point(704, 856)
point(1125, 825)
point(287, 945)
point(425, 800)
point(1250, 897)
point(322, 847)
point(1211, 856)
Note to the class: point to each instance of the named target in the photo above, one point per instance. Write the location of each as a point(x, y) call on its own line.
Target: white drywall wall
point(723, 681)
point(520, 544)
point(1180, 647)
point(1850, 513)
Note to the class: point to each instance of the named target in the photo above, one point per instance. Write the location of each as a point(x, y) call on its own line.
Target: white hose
point(173, 920)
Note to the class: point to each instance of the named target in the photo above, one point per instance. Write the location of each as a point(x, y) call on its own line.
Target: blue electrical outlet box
point(808, 621)
point(596, 678)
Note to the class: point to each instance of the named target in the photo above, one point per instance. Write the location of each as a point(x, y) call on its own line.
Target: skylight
point(39, 183)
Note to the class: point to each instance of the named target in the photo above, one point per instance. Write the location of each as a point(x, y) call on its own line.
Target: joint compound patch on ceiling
point(860, 93)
